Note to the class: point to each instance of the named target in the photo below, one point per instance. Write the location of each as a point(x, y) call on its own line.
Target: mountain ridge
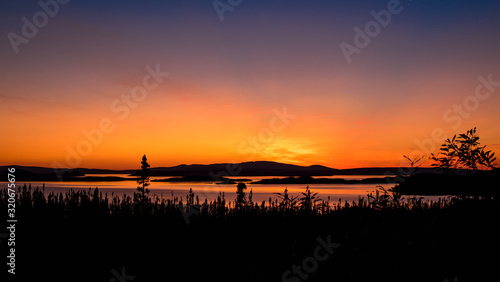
point(256, 168)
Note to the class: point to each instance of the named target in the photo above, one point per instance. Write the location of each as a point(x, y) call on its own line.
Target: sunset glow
point(226, 81)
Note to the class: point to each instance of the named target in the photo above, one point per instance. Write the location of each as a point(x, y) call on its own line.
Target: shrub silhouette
point(463, 152)
point(288, 203)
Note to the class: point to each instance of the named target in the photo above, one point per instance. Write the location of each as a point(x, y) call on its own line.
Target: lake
point(210, 191)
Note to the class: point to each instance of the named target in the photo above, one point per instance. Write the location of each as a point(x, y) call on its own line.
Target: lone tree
point(463, 152)
point(240, 195)
point(143, 179)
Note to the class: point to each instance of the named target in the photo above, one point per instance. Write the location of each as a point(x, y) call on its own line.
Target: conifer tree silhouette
point(143, 181)
point(240, 195)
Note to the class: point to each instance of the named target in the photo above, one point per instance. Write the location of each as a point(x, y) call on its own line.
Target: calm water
point(210, 191)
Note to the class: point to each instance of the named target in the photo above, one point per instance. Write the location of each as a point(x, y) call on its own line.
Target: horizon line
point(216, 163)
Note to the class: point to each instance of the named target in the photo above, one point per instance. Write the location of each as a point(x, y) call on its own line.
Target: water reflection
point(210, 191)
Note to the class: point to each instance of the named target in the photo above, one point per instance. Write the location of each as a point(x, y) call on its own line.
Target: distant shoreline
point(260, 168)
point(221, 180)
point(311, 180)
point(215, 172)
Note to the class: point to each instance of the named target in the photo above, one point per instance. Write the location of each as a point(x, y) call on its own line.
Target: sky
point(344, 84)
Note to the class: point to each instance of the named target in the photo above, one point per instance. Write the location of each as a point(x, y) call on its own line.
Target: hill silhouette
point(257, 168)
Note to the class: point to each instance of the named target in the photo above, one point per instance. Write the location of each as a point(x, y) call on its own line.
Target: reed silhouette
point(81, 235)
point(381, 229)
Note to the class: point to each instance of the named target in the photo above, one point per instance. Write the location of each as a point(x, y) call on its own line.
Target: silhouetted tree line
point(384, 236)
point(94, 202)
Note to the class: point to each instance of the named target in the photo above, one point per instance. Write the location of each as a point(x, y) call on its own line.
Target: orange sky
point(227, 79)
point(209, 125)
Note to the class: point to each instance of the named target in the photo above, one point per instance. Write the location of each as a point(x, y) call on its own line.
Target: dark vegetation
point(463, 151)
point(465, 167)
point(484, 183)
point(84, 235)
